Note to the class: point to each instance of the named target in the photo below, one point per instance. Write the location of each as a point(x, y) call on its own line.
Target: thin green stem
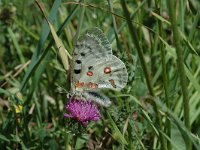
point(132, 16)
point(180, 63)
point(79, 24)
point(165, 81)
point(135, 40)
point(138, 48)
point(164, 73)
point(114, 25)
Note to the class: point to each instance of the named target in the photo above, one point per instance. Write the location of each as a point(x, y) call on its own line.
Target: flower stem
point(180, 63)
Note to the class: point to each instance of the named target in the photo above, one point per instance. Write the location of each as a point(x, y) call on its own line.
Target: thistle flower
point(82, 111)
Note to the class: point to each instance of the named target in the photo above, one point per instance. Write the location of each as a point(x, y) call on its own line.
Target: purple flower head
point(83, 111)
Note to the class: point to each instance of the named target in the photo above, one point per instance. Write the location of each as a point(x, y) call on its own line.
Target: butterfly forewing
point(92, 44)
point(93, 41)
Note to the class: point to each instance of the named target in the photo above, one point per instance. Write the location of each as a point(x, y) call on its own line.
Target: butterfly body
point(94, 67)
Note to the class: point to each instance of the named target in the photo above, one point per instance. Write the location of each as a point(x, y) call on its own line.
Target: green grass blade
point(19, 50)
point(192, 79)
point(120, 135)
point(43, 37)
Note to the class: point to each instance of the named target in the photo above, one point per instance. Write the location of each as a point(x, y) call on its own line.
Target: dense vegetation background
point(157, 40)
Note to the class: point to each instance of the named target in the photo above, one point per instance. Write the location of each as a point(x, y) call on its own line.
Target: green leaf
point(4, 138)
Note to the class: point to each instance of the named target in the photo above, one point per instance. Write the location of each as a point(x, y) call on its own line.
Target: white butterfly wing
point(94, 67)
point(92, 44)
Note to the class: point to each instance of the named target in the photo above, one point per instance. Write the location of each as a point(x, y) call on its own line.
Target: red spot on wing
point(107, 70)
point(79, 84)
point(90, 73)
point(92, 85)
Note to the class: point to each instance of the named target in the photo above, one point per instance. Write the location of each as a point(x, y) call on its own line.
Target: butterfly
point(94, 67)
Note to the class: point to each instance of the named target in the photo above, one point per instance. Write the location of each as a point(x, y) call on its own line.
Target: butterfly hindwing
point(108, 72)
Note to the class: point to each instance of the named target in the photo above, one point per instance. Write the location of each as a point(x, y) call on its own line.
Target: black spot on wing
point(78, 61)
point(90, 68)
point(82, 54)
point(77, 71)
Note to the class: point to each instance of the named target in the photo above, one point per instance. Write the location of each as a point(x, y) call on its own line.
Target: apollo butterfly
point(94, 67)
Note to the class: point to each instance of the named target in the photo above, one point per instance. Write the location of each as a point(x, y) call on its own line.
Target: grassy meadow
point(159, 42)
